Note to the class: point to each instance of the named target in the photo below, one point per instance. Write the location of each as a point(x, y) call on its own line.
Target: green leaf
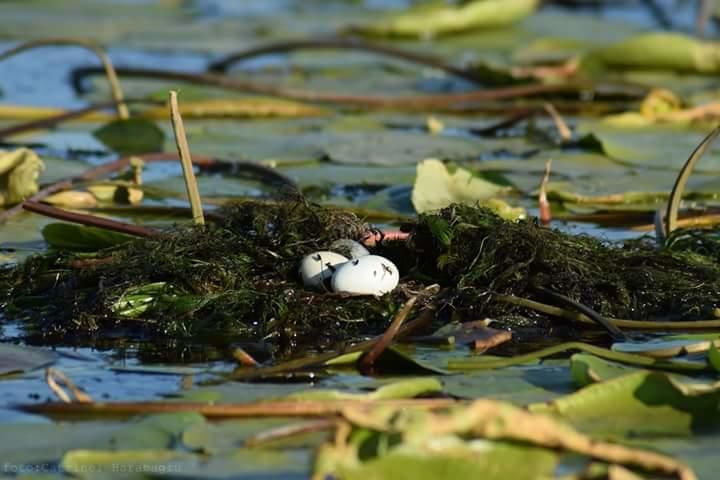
point(587, 369)
point(453, 459)
point(47, 442)
point(390, 147)
point(396, 361)
point(131, 136)
point(396, 390)
point(137, 300)
point(436, 187)
point(81, 238)
point(19, 172)
point(427, 21)
point(654, 146)
point(713, 357)
point(659, 51)
point(640, 404)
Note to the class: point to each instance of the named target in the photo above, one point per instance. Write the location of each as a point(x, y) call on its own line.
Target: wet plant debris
point(238, 278)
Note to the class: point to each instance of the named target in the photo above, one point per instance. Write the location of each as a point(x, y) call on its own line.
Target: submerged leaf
point(19, 172)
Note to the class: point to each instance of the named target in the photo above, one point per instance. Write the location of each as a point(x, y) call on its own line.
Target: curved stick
point(614, 331)
point(90, 220)
point(450, 101)
point(339, 43)
point(110, 72)
point(671, 213)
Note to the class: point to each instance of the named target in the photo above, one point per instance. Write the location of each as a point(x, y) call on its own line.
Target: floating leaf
point(19, 172)
point(18, 358)
point(396, 148)
point(48, 442)
point(641, 403)
point(81, 238)
point(437, 186)
point(433, 20)
point(665, 347)
point(587, 369)
point(659, 51)
point(396, 390)
point(131, 136)
point(655, 146)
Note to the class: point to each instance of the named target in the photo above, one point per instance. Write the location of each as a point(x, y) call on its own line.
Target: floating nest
point(236, 280)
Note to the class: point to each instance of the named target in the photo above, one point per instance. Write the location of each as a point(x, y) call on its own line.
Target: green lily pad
point(131, 136)
point(397, 148)
point(642, 403)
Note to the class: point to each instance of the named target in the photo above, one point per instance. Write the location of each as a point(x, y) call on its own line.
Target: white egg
point(349, 248)
point(367, 275)
point(317, 266)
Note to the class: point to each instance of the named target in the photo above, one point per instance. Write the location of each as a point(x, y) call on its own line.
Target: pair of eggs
point(362, 274)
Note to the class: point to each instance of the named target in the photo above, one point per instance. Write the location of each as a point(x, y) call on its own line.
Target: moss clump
point(234, 280)
point(237, 280)
point(483, 255)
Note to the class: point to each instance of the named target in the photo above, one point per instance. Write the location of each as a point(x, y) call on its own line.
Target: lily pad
point(131, 136)
point(18, 358)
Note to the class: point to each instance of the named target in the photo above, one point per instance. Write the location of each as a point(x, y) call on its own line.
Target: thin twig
point(279, 408)
point(340, 43)
point(367, 360)
point(90, 220)
point(560, 125)
point(54, 378)
point(186, 160)
point(108, 68)
point(449, 101)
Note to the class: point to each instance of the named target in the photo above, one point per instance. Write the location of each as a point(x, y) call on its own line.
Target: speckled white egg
point(367, 275)
point(317, 266)
point(349, 248)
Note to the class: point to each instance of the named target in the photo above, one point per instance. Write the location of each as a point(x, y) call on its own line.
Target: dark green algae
point(236, 280)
